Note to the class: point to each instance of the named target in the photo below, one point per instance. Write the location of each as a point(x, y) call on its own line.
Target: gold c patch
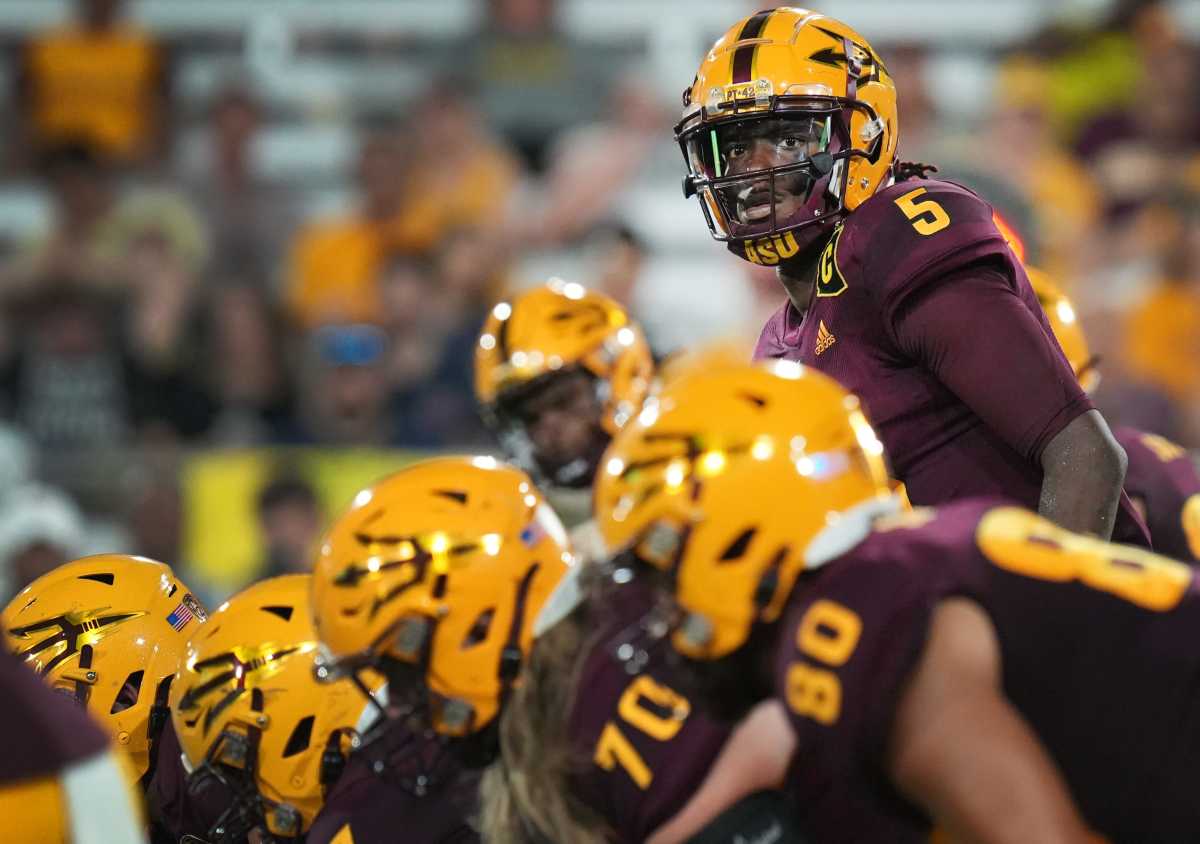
point(830, 281)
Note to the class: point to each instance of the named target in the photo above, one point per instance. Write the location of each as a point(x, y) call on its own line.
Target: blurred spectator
point(462, 175)
point(40, 528)
point(592, 167)
point(250, 217)
point(74, 385)
point(289, 517)
point(434, 309)
point(99, 81)
point(244, 363)
point(334, 264)
point(84, 200)
point(344, 388)
point(532, 80)
point(1139, 151)
point(1023, 150)
point(1163, 330)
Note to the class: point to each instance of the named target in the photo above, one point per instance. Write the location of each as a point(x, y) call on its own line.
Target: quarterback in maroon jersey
point(1162, 479)
point(899, 286)
point(973, 667)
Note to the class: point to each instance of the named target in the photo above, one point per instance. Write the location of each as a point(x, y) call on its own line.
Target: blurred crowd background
point(246, 245)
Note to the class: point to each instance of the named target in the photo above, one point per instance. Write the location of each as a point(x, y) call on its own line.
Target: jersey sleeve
point(1166, 480)
point(770, 343)
point(917, 232)
point(980, 338)
point(852, 642)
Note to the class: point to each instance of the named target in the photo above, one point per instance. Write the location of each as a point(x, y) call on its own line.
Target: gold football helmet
point(1065, 324)
point(435, 575)
point(821, 95)
point(249, 712)
point(558, 328)
point(110, 631)
point(725, 480)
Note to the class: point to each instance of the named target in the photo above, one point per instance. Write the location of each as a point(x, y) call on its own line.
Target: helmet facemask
point(805, 145)
point(514, 415)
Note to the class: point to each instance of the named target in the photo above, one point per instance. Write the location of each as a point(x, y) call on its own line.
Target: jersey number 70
point(614, 748)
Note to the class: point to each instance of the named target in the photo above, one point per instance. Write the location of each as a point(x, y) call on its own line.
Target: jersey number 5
point(927, 216)
point(614, 748)
point(828, 634)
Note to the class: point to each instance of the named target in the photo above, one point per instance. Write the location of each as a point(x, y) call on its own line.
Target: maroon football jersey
point(1097, 643)
point(650, 748)
point(1165, 479)
point(377, 809)
point(922, 310)
point(44, 731)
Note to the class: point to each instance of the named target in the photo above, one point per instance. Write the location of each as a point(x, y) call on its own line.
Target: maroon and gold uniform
point(650, 748)
point(1164, 479)
point(922, 310)
point(1096, 647)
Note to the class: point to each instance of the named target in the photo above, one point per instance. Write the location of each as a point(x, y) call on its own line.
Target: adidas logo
point(825, 337)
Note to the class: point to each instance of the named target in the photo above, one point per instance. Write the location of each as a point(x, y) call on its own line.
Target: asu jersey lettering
point(1095, 643)
point(1164, 478)
point(649, 746)
point(908, 275)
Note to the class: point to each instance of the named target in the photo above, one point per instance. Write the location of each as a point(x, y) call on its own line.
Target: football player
point(250, 715)
point(598, 745)
point(109, 631)
point(974, 667)
point(60, 778)
point(559, 369)
point(899, 286)
point(1162, 480)
point(433, 578)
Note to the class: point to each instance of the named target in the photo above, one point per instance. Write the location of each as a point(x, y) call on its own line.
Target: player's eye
point(793, 144)
point(735, 150)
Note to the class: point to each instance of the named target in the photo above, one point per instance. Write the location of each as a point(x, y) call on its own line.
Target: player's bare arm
point(1083, 501)
point(756, 757)
point(960, 749)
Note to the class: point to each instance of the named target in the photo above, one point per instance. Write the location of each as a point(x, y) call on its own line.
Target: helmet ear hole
point(130, 691)
point(479, 630)
point(283, 612)
point(300, 738)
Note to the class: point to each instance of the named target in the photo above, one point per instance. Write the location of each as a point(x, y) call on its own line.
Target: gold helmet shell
point(246, 698)
point(109, 630)
point(442, 568)
point(726, 479)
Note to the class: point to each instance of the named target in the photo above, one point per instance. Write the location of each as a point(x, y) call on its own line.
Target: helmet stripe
point(743, 57)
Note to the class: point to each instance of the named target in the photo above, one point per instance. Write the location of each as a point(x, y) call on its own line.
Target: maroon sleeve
point(769, 344)
point(976, 334)
point(43, 731)
point(1163, 476)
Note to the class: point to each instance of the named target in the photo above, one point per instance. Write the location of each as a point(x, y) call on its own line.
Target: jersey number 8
point(1022, 543)
point(828, 634)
